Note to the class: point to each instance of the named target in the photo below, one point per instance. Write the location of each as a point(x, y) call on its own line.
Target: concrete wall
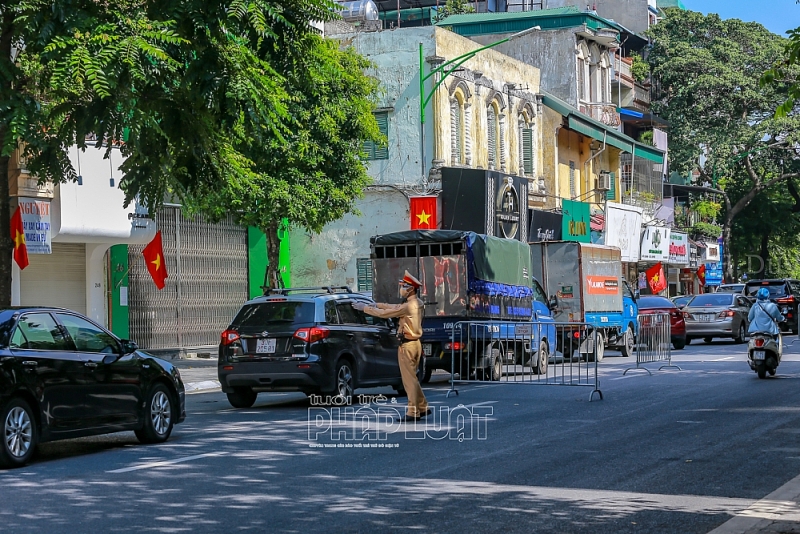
point(633, 14)
point(550, 51)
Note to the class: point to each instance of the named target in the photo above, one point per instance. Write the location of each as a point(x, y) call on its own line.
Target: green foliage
point(314, 174)
point(785, 71)
point(453, 7)
point(647, 138)
point(706, 229)
point(640, 69)
point(706, 209)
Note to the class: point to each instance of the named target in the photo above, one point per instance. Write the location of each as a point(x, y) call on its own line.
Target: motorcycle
point(764, 353)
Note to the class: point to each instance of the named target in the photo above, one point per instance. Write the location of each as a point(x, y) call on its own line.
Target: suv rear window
point(776, 289)
point(261, 313)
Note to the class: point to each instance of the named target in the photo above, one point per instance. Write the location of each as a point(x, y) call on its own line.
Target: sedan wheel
point(158, 420)
point(740, 336)
point(345, 382)
point(19, 433)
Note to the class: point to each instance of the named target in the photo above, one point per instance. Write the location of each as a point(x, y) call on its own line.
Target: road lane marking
point(780, 505)
point(165, 463)
point(723, 359)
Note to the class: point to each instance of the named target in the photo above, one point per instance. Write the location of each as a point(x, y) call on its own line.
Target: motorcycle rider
point(764, 317)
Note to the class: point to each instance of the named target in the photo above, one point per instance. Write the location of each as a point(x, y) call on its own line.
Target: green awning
point(649, 152)
point(611, 137)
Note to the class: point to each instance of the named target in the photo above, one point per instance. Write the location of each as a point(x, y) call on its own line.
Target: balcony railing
point(641, 94)
point(605, 113)
point(622, 70)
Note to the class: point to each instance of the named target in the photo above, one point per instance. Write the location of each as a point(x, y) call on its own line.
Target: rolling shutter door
point(57, 279)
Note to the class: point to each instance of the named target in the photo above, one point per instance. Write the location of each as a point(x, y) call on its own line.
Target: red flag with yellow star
point(423, 213)
point(154, 257)
point(656, 278)
point(18, 237)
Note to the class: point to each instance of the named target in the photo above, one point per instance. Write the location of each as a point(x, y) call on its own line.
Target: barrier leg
point(452, 367)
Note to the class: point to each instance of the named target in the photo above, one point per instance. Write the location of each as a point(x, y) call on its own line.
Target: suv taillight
point(785, 300)
point(313, 334)
point(229, 337)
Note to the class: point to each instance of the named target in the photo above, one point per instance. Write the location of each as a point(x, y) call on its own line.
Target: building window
point(526, 149)
point(372, 149)
point(572, 184)
point(492, 131)
point(594, 75)
point(457, 120)
point(583, 72)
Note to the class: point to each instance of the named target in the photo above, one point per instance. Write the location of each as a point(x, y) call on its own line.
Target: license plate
point(705, 318)
point(265, 346)
point(758, 354)
point(427, 349)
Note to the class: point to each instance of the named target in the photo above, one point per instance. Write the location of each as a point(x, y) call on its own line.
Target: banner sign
point(36, 222)
point(678, 248)
point(711, 253)
point(545, 226)
point(655, 244)
point(602, 285)
point(623, 228)
point(575, 223)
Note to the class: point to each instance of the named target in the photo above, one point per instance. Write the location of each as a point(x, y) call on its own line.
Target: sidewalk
point(198, 374)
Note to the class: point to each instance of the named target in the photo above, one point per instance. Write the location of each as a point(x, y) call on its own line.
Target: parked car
point(309, 340)
point(681, 300)
point(655, 304)
point(717, 315)
point(731, 288)
point(63, 376)
point(785, 292)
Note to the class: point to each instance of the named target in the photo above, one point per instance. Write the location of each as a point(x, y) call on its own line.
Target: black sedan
point(63, 376)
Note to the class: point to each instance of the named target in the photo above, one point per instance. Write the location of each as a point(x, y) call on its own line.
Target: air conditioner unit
point(604, 181)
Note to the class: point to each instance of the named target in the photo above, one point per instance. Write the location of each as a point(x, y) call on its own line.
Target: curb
point(205, 385)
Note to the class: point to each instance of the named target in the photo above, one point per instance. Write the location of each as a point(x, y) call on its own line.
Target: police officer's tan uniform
point(408, 354)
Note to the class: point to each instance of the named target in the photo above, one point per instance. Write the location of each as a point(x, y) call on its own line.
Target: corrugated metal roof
point(665, 4)
point(477, 18)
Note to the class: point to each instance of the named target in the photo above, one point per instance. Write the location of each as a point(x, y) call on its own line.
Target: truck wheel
point(627, 343)
point(541, 364)
point(599, 350)
point(423, 371)
point(496, 371)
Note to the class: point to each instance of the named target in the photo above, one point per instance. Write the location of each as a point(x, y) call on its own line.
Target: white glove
point(359, 306)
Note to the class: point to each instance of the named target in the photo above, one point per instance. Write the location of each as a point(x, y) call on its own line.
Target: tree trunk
point(764, 254)
point(727, 272)
point(273, 278)
point(6, 243)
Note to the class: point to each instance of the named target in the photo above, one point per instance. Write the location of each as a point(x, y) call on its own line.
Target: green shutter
point(372, 150)
point(572, 179)
point(527, 151)
point(611, 194)
point(458, 132)
point(364, 274)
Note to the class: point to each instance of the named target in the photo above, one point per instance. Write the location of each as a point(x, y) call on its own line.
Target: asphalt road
point(679, 451)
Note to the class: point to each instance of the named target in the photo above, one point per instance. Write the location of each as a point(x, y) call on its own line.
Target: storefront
point(654, 250)
point(678, 260)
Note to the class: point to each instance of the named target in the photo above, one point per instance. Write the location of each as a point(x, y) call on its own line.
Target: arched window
point(583, 72)
point(457, 128)
point(492, 127)
point(527, 153)
point(594, 74)
point(605, 79)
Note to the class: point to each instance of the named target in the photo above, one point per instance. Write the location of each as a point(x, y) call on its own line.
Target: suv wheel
point(242, 397)
point(345, 380)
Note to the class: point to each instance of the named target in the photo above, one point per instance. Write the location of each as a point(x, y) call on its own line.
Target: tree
point(313, 175)
point(453, 7)
point(179, 85)
point(782, 72)
point(707, 73)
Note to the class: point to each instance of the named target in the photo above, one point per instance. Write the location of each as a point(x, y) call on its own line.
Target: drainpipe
point(588, 161)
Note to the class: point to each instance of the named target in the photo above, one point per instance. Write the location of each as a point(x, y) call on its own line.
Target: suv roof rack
point(320, 289)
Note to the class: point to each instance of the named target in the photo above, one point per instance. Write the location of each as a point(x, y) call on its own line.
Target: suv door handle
point(30, 363)
point(350, 334)
point(91, 365)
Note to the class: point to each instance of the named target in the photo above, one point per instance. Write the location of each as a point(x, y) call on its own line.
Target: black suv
point(785, 292)
point(309, 340)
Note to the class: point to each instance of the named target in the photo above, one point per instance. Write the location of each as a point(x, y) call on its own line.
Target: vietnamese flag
point(656, 278)
point(423, 213)
point(154, 257)
point(701, 274)
point(18, 237)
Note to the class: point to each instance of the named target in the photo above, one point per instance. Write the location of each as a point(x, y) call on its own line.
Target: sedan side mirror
point(129, 346)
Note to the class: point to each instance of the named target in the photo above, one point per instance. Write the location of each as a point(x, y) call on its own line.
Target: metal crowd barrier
point(509, 353)
point(654, 342)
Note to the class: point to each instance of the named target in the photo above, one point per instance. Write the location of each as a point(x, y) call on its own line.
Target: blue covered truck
point(584, 284)
point(469, 277)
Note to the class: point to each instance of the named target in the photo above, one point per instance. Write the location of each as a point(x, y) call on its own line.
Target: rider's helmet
point(763, 294)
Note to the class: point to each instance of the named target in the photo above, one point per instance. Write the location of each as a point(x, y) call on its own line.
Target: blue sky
point(776, 15)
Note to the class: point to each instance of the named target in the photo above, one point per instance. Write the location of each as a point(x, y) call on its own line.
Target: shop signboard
point(678, 248)
point(575, 222)
point(655, 244)
point(545, 226)
point(714, 269)
point(36, 222)
point(623, 228)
